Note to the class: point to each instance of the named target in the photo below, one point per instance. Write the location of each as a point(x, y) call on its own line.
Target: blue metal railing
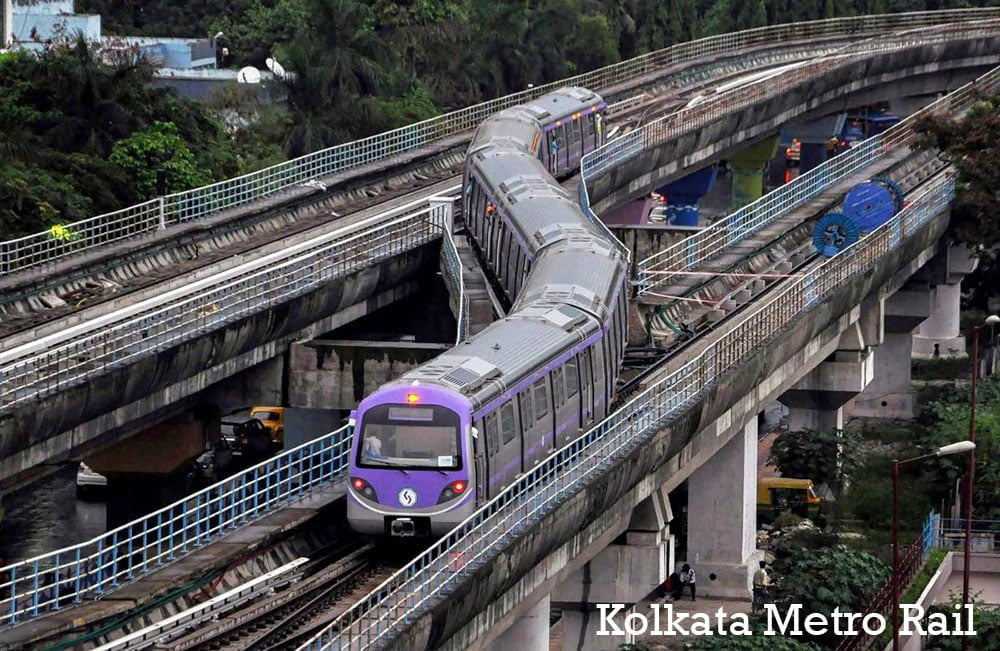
point(94, 568)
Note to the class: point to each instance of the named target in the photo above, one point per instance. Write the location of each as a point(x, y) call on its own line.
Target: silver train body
point(453, 433)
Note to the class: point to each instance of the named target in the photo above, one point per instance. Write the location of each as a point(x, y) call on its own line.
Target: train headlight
point(453, 490)
point(363, 487)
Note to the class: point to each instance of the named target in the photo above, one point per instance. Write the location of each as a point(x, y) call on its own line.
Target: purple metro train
point(454, 432)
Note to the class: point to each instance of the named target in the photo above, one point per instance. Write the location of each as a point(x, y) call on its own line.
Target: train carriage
point(454, 432)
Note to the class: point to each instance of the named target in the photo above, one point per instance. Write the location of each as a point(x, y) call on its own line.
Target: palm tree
point(338, 64)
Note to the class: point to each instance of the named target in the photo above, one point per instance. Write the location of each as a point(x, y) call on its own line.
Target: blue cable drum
point(897, 192)
point(833, 233)
point(869, 205)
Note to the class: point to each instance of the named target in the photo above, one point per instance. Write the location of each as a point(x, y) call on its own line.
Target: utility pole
point(7, 22)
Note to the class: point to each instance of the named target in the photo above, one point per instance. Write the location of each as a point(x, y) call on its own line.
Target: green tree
point(987, 621)
point(972, 145)
point(157, 147)
point(339, 65)
point(824, 457)
point(827, 578)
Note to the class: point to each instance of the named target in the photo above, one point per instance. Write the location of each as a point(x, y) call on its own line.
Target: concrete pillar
point(621, 573)
point(816, 401)
point(813, 137)
point(722, 518)
point(890, 394)
point(530, 632)
point(939, 335)
point(7, 26)
point(684, 194)
point(748, 171)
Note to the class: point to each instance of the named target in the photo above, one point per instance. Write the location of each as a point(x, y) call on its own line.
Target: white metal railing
point(87, 350)
point(459, 301)
point(72, 238)
point(91, 569)
point(174, 626)
point(433, 575)
point(661, 267)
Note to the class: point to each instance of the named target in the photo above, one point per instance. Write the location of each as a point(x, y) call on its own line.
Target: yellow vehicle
point(273, 418)
point(777, 495)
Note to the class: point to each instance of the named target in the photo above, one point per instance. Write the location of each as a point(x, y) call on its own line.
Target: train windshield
point(410, 437)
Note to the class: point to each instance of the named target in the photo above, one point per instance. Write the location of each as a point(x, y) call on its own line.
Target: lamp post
point(992, 321)
point(970, 475)
point(944, 451)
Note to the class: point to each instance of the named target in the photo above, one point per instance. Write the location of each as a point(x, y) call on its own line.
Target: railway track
point(285, 618)
point(34, 310)
point(788, 255)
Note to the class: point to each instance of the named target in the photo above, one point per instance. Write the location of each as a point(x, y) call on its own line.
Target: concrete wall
point(52, 429)
point(919, 70)
point(338, 374)
point(548, 552)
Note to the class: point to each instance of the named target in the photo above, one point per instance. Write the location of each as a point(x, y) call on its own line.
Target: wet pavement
point(46, 516)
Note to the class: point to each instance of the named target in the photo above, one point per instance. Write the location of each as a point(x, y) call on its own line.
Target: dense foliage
point(67, 124)
point(824, 457)
point(972, 144)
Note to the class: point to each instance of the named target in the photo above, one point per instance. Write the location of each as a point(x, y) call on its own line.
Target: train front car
point(411, 470)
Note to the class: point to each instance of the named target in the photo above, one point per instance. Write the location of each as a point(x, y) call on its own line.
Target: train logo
point(407, 497)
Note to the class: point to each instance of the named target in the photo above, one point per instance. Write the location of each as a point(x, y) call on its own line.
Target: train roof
point(562, 103)
point(538, 209)
point(513, 128)
point(508, 352)
point(585, 272)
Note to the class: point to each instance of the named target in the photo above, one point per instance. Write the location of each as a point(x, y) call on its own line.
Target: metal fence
point(83, 352)
point(89, 570)
point(661, 267)
point(180, 207)
point(985, 535)
point(912, 558)
point(455, 279)
point(440, 569)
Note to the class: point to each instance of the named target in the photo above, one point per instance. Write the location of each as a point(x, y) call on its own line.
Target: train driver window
point(507, 425)
point(541, 399)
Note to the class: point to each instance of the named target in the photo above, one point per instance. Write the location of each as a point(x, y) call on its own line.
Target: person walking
point(688, 578)
point(761, 582)
point(675, 586)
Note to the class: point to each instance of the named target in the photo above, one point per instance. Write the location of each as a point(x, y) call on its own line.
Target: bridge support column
point(939, 335)
point(748, 171)
point(684, 194)
point(722, 518)
point(816, 401)
point(889, 395)
point(530, 632)
point(625, 572)
point(813, 137)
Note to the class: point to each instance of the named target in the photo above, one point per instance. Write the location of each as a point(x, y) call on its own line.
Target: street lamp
point(944, 451)
point(970, 475)
point(992, 321)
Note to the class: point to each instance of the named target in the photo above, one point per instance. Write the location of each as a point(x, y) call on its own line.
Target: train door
point(508, 464)
point(481, 448)
point(586, 389)
point(527, 421)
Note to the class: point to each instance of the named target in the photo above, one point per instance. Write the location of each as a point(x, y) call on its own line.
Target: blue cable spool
point(869, 205)
point(897, 192)
point(833, 233)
